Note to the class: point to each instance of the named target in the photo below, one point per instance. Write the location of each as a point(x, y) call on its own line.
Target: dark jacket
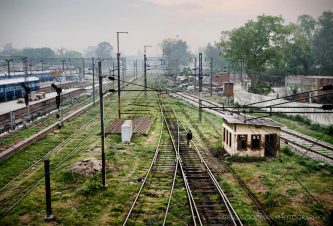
point(189, 135)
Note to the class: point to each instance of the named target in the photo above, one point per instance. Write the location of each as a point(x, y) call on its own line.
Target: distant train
point(43, 76)
point(12, 88)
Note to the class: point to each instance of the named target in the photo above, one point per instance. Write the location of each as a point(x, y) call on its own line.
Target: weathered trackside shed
point(253, 138)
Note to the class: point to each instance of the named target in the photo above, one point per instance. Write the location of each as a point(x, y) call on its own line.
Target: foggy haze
point(77, 24)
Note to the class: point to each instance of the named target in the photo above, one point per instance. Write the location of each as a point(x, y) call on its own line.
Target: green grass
point(79, 200)
point(281, 194)
point(305, 128)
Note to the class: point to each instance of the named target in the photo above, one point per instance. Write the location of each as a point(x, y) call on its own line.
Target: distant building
point(295, 84)
point(255, 138)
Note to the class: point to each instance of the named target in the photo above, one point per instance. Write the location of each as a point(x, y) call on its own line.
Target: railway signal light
point(26, 99)
point(26, 95)
point(327, 87)
point(57, 89)
point(58, 101)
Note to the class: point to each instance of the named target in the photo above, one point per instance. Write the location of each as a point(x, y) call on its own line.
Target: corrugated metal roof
point(238, 119)
point(18, 80)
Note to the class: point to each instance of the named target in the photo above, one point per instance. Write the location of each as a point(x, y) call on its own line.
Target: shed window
point(255, 141)
point(241, 142)
point(224, 134)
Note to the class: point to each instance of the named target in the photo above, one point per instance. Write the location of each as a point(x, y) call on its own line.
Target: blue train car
point(12, 88)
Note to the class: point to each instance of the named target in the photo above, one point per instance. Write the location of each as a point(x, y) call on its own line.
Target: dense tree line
point(102, 50)
point(39, 53)
point(269, 47)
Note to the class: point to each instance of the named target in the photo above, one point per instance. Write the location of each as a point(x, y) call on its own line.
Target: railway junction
point(157, 177)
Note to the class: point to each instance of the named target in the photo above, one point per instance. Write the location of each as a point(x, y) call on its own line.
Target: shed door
point(271, 145)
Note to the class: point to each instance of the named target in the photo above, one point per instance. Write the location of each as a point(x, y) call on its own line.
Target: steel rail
point(228, 205)
point(70, 154)
point(288, 140)
point(148, 172)
point(51, 152)
point(187, 188)
point(34, 185)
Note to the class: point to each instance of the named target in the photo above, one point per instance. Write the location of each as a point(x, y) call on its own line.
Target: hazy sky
point(77, 24)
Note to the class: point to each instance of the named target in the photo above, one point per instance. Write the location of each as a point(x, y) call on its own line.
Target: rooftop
point(18, 80)
point(239, 119)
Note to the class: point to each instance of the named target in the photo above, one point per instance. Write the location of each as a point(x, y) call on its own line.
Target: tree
point(39, 53)
point(259, 44)
point(323, 42)
point(104, 50)
point(8, 50)
point(64, 53)
point(177, 54)
point(299, 54)
point(306, 24)
point(215, 52)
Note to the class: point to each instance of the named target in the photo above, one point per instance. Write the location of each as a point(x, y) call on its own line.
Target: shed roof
point(18, 80)
point(238, 119)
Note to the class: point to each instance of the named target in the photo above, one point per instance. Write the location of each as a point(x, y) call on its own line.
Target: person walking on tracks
point(189, 138)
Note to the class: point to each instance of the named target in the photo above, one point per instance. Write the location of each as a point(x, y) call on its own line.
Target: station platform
point(9, 106)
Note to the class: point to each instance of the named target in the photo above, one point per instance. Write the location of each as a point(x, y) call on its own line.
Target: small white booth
point(126, 131)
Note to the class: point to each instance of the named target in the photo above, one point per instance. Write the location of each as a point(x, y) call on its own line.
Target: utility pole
point(27, 89)
point(122, 70)
point(211, 76)
point(200, 87)
point(83, 68)
point(42, 61)
point(70, 66)
point(101, 105)
point(195, 74)
point(145, 68)
point(63, 66)
point(8, 62)
point(241, 72)
point(93, 75)
point(58, 102)
point(30, 66)
point(48, 215)
point(118, 69)
point(228, 85)
point(136, 68)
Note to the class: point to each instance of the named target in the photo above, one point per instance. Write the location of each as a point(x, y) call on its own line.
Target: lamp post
point(211, 76)
point(241, 70)
point(92, 69)
point(42, 62)
point(145, 67)
point(200, 87)
point(8, 61)
point(118, 69)
point(63, 66)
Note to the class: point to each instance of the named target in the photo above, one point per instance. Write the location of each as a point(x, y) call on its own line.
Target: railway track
point(44, 119)
point(308, 144)
point(157, 184)
point(21, 185)
point(36, 111)
point(300, 142)
point(208, 202)
point(13, 192)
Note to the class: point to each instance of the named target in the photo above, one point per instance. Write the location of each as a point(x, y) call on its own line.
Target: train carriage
point(11, 89)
